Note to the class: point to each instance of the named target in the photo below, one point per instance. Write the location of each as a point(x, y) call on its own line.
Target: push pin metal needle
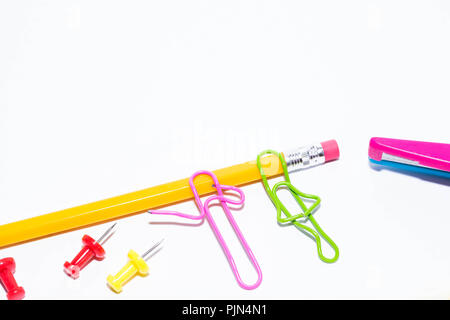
point(136, 265)
point(91, 250)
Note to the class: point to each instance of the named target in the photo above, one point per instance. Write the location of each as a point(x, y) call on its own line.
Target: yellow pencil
point(154, 197)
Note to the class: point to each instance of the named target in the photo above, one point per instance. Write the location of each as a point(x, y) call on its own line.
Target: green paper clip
point(307, 212)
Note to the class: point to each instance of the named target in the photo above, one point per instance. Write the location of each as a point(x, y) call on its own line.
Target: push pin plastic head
point(136, 265)
point(7, 269)
point(91, 250)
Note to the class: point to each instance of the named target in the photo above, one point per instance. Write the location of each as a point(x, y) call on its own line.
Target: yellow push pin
point(136, 265)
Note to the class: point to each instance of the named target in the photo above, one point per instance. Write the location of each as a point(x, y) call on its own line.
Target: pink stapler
point(416, 156)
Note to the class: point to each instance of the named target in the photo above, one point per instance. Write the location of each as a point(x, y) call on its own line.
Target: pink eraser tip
point(330, 149)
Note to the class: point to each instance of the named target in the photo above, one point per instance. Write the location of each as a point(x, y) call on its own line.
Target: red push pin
point(91, 250)
point(7, 269)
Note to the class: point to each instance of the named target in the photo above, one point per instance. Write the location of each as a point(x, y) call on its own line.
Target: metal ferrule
point(304, 157)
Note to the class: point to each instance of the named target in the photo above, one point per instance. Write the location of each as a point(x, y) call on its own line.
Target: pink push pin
point(91, 250)
point(7, 269)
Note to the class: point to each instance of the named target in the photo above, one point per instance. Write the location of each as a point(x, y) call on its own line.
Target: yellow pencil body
point(131, 203)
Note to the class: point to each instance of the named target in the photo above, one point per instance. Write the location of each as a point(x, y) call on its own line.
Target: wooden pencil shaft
point(131, 203)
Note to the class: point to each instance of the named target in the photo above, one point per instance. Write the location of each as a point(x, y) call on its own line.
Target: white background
point(100, 98)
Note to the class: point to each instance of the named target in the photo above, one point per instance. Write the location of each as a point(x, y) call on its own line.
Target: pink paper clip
point(204, 211)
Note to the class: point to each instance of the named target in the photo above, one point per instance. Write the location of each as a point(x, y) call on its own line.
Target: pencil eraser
point(330, 150)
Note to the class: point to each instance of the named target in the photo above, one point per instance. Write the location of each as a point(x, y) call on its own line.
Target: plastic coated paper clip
point(307, 213)
point(204, 211)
